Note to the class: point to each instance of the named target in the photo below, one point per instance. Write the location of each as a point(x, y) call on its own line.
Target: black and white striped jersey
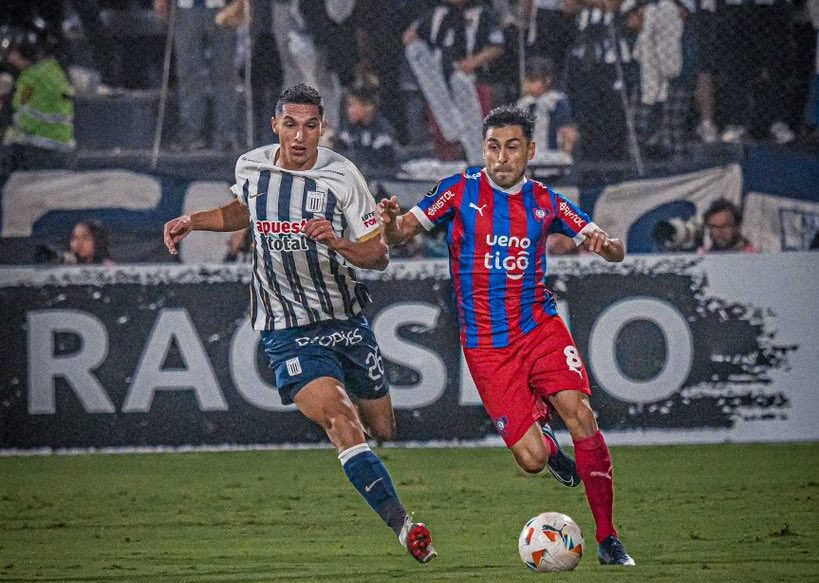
point(297, 281)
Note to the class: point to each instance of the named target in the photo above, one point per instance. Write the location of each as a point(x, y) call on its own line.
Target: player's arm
point(398, 229)
point(367, 253)
point(231, 217)
point(610, 249)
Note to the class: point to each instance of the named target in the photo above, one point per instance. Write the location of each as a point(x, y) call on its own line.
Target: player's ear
point(323, 126)
point(531, 147)
point(274, 125)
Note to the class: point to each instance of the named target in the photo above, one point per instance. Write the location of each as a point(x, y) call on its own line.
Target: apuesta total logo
point(283, 235)
point(515, 262)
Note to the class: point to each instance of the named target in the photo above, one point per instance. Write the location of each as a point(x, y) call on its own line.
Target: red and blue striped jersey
point(497, 251)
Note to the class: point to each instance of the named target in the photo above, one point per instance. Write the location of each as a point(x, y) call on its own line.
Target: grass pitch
point(723, 513)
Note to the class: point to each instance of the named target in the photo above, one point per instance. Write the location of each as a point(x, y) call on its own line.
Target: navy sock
point(372, 480)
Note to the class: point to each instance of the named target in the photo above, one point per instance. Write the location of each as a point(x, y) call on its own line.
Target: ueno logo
point(513, 264)
point(439, 204)
point(278, 227)
point(570, 215)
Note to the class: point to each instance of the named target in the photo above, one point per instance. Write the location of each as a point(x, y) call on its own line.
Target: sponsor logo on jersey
point(439, 204)
point(473, 176)
point(283, 235)
point(369, 219)
point(279, 227)
point(571, 216)
point(516, 262)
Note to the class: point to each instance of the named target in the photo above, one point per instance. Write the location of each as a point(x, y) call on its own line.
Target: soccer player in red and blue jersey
point(520, 353)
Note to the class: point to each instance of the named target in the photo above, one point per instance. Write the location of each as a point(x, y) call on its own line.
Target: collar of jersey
point(514, 189)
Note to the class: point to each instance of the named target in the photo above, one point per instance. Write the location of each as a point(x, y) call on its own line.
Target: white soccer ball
point(551, 542)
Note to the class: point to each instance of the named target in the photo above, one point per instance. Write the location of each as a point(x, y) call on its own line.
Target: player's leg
point(595, 468)
point(378, 417)
point(558, 374)
point(501, 378)
point(325, 402)
point(531, 452)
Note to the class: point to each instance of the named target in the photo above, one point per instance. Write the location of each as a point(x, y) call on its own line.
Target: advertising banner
point(679, 349)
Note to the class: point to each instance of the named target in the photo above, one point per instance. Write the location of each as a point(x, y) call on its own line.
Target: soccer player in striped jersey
point(313, 220)
point(521, 355)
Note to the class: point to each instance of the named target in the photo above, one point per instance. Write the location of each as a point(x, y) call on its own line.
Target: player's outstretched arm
point(398, 229)
point(371, 253)
point(231, 217)
point(606, 247)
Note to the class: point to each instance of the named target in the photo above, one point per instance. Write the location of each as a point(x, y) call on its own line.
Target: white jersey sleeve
point(358, 206)
point(241, 186)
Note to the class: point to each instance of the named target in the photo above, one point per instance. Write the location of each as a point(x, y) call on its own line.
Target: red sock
point(551, 446)
point(594, 466)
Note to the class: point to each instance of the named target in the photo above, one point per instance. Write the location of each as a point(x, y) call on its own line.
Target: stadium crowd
point(610, 80)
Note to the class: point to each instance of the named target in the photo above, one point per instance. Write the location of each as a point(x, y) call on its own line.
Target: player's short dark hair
point(300, 93)
point(509, 115)
point(723, 204)
point(539, 68)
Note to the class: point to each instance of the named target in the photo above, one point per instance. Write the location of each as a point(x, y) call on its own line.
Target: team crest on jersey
point(541, 214)
point(316, 201)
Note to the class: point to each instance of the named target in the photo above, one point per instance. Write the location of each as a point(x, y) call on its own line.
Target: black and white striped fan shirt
point(297, 281)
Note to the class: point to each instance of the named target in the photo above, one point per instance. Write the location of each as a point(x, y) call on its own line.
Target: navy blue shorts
point(342, 349)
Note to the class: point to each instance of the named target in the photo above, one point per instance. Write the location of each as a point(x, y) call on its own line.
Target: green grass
point(721, 513)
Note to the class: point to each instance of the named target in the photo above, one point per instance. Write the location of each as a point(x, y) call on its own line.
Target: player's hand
point(320, 230)
point(596, 242)
point(387, 210)
point(176, 230)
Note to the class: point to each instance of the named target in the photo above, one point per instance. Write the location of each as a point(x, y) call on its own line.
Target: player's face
point(507, 152)
point(300, 127)
point(723, 229)
point(82, 243)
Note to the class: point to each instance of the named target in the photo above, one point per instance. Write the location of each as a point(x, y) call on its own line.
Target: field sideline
point(724, 513)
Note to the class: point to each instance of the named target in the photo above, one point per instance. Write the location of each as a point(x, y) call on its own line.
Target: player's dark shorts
point(516, 381)
point(342, 349)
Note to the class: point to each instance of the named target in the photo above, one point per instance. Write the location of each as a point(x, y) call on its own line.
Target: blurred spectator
point(665, 78)
point(813, 106)
point(707, 46)
point(551, 31)
point(751, 68)
point(554, 125)
point(41, 134)
point(467, 37)
point(204, 55)
point(723, 224)
point(365, 136)
point(88, 245)
point(596, 78)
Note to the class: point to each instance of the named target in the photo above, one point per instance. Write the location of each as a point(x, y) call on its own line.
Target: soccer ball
point(551, 542)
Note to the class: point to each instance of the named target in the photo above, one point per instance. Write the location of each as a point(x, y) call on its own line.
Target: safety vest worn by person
point(43, 108)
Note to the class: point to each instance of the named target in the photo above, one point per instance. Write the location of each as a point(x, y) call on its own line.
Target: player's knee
point(530, 462)
point(580, 420)
point(384, 431)
point(341, 423)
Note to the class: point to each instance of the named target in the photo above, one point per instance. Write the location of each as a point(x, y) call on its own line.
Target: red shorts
point(515, 381)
